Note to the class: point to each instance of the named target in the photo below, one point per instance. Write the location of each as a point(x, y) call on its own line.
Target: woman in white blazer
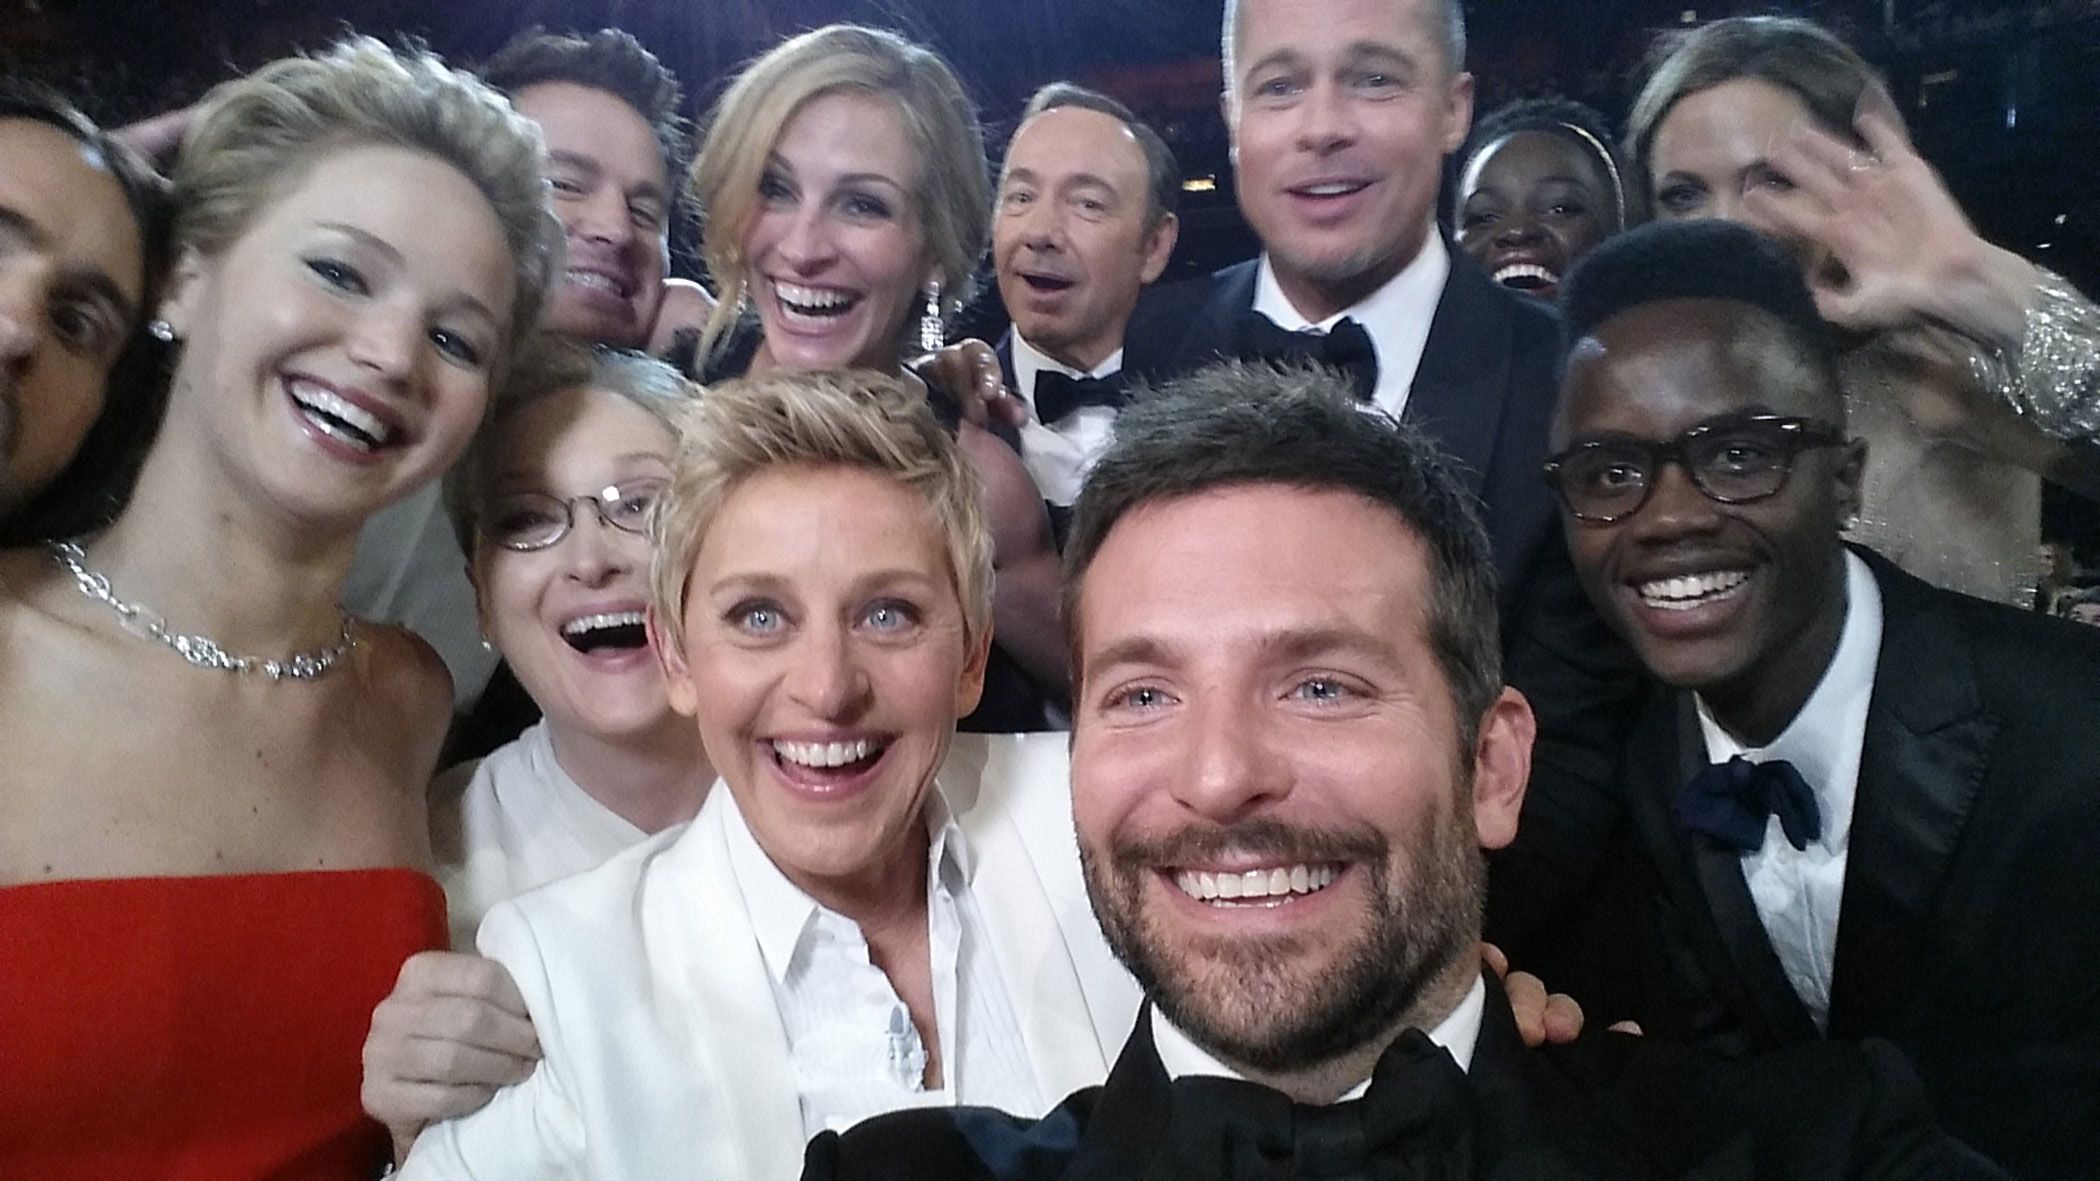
point(874, 913)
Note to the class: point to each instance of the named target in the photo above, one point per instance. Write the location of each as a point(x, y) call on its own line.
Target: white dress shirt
point(1396, 316)
point(522, 822)
point(1457, 1034)
point(1060, 454)
point(856, 1051)
point(665, 1049)
point(1799, 892)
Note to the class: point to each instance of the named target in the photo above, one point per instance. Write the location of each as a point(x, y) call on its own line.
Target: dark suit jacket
point(1969, 934)
point(1485, 390)
point(1610, 1106)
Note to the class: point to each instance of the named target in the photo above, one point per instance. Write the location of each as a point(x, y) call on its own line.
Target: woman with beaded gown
point(212, 827)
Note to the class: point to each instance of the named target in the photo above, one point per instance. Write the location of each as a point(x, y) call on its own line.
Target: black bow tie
point(1732, 801)
point(1058, 394)
point(1415, 1123)
point(1346, 347)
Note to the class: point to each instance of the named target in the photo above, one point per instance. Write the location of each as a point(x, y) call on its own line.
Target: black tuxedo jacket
point(1609, 1107)
point(1485, 390)
point(1969, 933)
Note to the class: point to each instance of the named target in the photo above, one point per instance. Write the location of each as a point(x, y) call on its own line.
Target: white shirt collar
point(1825, 736)
point(1457, 1034)
point(1030, 360)
point(782, 914)
point(1396, 316)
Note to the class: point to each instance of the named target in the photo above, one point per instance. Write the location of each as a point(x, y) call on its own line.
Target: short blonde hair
point(257, 136)
point(951, 189)
point(855, 419)
point(550, 365)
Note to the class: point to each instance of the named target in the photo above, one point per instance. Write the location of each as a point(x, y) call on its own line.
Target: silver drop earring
point(932, 334)
point(162, 331)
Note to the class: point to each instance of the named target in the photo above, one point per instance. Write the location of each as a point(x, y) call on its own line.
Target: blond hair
point(257, 136)
point(950, 188)
point(854, 419)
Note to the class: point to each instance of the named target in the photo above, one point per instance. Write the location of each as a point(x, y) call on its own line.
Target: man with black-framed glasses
point(1854, 805)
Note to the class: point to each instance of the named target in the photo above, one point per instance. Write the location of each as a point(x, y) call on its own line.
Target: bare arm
point(1030, 579)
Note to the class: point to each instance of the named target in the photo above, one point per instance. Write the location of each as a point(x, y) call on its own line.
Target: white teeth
point(1336, 189)
point(604, 283)
point(582, 624)
point(1690, 590)
point(813, 301)
point(1525, 270)
point(1264, 885)
point(367, 432)
point(826, 754)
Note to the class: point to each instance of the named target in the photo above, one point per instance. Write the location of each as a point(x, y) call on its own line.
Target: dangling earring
point(932, 333)
point(162, 331)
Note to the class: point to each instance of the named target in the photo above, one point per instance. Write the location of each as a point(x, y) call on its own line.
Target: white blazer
point(664, 1052)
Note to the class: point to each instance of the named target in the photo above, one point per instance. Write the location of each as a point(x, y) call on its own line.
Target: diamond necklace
point(202, 651)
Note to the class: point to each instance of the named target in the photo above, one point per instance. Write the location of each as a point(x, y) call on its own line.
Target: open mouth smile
point(813, 305)
point(1264, 887)
point(1687, 592)
point(358, 428)
point(619, 631)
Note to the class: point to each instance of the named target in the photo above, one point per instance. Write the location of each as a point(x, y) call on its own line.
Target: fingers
point(1880, 126)
point(432, 974)
point(452, 1032)
point(1563, 1019)
point(1527, 1002)
point(1497, 962)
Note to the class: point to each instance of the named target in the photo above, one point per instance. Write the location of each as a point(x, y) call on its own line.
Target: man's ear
point(1159, 247)
point(1502, 767)
point(1851, 475)
point(1459, 111)
point(670, 657)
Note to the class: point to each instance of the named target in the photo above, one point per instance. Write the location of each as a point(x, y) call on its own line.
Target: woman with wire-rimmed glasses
point(552, 503)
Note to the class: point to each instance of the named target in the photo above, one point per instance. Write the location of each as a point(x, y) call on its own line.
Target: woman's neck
point(886, 899)
point(210, 559)
point(652, 780)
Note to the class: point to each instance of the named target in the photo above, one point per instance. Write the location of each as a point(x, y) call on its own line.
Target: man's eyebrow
point(575, 160)
point(16, 223)
point(1137, 649)
point(1284, 56)
point(83, 275)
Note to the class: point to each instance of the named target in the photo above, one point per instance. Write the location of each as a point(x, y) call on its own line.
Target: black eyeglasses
point(1732, 461)
point(535, 520)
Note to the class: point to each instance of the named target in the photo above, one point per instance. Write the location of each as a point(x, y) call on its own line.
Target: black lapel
point(1004, 350)
point(1926, 753)
point(1730, 951)
point(1459, 387)
point(1210, 336)
point(1133, 1116)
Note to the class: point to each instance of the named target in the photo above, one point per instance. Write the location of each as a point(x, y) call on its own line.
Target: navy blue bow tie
point(1058, 394)
point(1346, 347)
point(1732, 801)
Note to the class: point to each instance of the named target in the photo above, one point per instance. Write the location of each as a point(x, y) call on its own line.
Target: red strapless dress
point(199, 1028)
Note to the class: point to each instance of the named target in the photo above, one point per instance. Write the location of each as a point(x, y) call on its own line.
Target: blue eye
point(891, 615)
point(456, 347)
point(339, 275)
point(1139, 697)
point(1319, 689)
point(757, 618)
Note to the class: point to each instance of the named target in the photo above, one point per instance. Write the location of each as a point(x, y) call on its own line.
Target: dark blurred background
point(2003, 97)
